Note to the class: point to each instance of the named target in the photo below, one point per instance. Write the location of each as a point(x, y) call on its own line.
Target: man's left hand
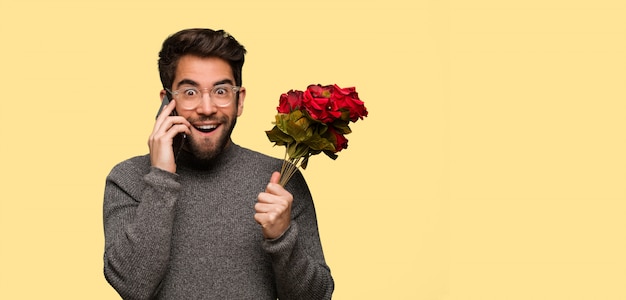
point(273, 209)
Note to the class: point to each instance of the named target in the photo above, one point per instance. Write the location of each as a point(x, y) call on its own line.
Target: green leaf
point(342, 126)
point(331, 154)
point(321, 128)
point(295, 124)
point(305, 162)
point(296, 150)
point(345, 115)
point(317, 142)
point(278, 137)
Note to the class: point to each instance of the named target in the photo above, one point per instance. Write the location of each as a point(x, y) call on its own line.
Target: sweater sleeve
point(297, 256)
point(138, 218)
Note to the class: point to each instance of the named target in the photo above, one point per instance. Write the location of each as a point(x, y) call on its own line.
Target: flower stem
point(289, 168)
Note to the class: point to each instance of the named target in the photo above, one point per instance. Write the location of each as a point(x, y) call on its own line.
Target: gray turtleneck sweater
point(192, 235)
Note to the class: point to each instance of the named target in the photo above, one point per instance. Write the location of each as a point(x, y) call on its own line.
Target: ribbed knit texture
point(192, 235)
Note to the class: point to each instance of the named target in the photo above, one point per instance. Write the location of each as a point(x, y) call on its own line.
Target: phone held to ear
point(177, 143)
point(165, 102)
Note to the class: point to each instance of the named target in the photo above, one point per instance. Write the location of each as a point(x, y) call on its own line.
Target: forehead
point(204, 71)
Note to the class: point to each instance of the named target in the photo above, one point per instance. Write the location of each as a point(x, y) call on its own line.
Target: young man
point(197, 218)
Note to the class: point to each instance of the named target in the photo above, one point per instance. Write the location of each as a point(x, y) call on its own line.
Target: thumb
point(275, 177)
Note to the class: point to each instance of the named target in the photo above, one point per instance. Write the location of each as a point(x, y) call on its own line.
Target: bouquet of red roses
point(314, 121)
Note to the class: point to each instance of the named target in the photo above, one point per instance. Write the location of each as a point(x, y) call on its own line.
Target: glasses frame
point(210, 91)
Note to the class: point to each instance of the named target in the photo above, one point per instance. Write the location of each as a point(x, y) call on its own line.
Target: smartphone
point(179, 139)
point(165, 102)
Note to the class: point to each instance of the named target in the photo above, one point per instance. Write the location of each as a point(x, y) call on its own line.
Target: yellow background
point(492, 165)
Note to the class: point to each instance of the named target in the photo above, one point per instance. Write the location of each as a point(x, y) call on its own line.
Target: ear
point(242, 98)
point(162, 94)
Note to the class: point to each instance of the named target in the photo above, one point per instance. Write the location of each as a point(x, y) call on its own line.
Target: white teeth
point(207, 127)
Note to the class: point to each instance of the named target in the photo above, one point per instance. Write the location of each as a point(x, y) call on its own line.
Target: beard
point(205, 149)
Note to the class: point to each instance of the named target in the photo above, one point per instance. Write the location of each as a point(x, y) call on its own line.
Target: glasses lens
point(189, 97)
point(223, 94)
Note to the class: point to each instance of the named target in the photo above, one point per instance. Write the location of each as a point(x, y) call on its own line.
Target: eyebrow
point(194, 83)
point(186, 81)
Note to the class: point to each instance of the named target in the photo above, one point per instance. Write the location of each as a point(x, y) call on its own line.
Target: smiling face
point(211, 125)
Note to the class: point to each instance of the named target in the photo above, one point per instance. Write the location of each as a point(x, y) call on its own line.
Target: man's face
point(211, 124)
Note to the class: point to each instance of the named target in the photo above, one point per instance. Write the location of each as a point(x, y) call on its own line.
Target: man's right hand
point(161, 139)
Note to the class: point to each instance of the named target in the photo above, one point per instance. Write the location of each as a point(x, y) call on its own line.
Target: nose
point(206, 105)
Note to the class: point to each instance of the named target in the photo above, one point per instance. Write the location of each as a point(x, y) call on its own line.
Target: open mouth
point(206, 128)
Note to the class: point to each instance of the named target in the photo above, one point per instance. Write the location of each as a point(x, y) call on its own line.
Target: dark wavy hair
point(202, 43)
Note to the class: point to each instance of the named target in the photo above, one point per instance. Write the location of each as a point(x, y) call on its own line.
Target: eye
point(220, 91)
point(190, 92)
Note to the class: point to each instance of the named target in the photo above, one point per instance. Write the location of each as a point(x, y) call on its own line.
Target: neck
point(187, 160)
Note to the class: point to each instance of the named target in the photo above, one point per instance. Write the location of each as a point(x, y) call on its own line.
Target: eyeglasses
point(190, 96)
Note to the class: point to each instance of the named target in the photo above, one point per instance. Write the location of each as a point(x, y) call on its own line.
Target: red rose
point(348, 99)
point(290, 101)
point(319, 105)
point(340, 140)
point(320, 91)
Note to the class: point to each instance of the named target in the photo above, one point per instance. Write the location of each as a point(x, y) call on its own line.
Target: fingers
point(166, 111)
point(163, 115)
point(282, 201)
point(265, 208)
point(160, 142)
point(273, 208)
point(273, 223)
point(166, 120)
